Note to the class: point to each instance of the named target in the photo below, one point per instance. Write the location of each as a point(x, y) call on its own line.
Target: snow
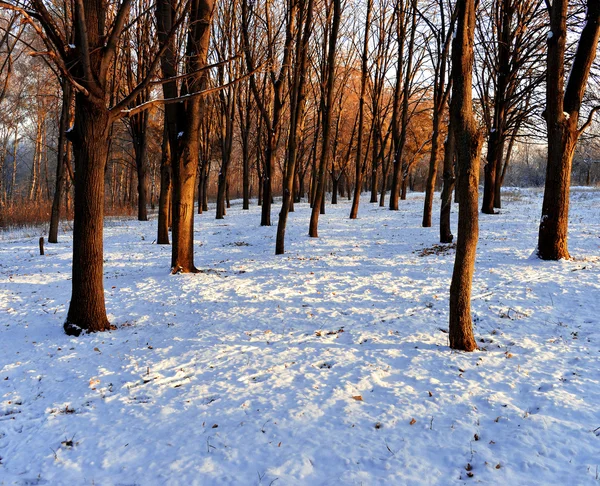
point(307, 368)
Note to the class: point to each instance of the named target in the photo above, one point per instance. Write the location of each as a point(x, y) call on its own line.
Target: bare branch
point(149, 104)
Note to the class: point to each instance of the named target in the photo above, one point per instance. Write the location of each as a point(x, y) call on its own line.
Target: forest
point(186, 176)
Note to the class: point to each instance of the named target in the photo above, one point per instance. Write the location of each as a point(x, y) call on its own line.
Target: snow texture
point(327, 365)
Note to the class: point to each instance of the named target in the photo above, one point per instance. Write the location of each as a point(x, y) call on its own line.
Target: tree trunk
point(334, 190)
point(205, 176)
point(432, 174)
point(494, 151)
point(374, 172)
point(468, 148)
point(221, 187)
point(87, 309)
point(400, 172)
point(297, 104)
point(142, 172)
point(448, 186)
point(184, 187)
point(245, 174)
point(200, 180)
point(164, 199)
point(404, 185)
point(359, 167)
point(327, 108)
point(63, 146)
point(562, 116)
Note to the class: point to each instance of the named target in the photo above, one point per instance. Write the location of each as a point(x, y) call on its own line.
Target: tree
point(297, 107)
point(61, 154)
point(468, 147)
point(510, 71)
point(137, 59)
point(360, 166)
point(183, 112)
point(439, 56)
point(271, 101)
point(562, 113)
point(86, 65)
point(326, 112)
point(226, 46)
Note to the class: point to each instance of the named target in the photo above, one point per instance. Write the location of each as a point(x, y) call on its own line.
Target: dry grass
point(118, 210)
point(25, 213)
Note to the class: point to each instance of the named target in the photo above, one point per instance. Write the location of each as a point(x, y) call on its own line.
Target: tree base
point(72, 329)
point(180, 269)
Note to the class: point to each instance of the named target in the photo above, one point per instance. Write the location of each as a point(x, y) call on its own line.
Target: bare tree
point(297, 106)
point(327, 105)
point(563, 106)
point(468, 147)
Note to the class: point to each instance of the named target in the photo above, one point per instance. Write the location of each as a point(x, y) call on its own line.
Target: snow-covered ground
point(328, 365)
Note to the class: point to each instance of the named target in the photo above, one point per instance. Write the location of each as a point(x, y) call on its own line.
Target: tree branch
point(149, 104)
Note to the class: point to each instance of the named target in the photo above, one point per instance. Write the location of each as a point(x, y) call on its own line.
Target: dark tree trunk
point(468, 148)
point(164, 199)
point(562, 116)
point(400, 172)
point(141, 147)
point(200, 179)
point(267, 185)
point(441, 91)
point(497, 134)
point(404, 185)
point(432, 174)
point(245, 171)
point(359, 166)
point(494, 152)
point(327, 108)
point(205, 176)
point(87, 309)
point(449, 180)
point(297, 104)
point(334, 190)
point(374, 173)
point(62, 148)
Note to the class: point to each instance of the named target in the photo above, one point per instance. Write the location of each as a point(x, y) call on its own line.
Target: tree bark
point(497, 134)
point(562, 116)
point(62, 148)
point(297, 104)
point(141, 150)
point(164, 199)
point(359, 166)
point(400, 172)
point(468, 148)
point(327, 108)
point(449, 179)
point(87, 309)
point(184, 121)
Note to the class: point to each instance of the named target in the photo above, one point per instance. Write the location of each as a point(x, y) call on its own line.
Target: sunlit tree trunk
point(468, 148)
